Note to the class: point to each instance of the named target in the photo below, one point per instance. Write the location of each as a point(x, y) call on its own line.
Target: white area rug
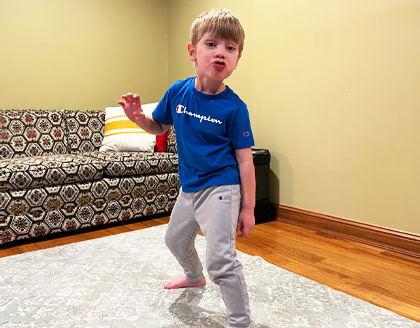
point(117, 282)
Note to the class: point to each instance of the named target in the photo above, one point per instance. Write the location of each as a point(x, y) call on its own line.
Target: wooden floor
point(381, 277)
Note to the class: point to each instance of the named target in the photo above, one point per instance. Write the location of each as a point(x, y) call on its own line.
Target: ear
point(191, 52)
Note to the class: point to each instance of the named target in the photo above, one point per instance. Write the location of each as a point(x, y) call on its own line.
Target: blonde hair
point(220, 22)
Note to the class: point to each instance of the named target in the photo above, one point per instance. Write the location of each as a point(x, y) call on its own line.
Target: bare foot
point(183, 282)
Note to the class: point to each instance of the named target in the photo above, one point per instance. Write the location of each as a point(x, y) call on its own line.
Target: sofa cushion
point(28, 133)
point(161, 142)
point(30, 172)
point(121, 134)
point(136, 163)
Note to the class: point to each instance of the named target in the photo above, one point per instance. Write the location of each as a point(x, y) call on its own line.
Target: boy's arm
point(132, 108)
point(246, 220)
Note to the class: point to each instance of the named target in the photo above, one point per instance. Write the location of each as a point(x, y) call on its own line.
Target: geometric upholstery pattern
point(136, 163)
point(40, 211)
point(30, 172)
point(171, 146)
point(54, 179)
point(27, 133)
point(84, 130)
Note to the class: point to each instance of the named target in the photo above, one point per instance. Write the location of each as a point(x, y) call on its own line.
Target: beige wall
point(81, 53)
point(333, 89)
point(332, 86)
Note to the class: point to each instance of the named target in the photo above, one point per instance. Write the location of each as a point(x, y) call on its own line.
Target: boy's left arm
point(246, 220)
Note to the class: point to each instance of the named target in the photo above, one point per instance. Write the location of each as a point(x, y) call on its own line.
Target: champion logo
point(246, 133)
point(221, 197)
point(181, 109)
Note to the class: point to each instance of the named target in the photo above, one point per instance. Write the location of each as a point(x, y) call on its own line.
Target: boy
point(216, 169)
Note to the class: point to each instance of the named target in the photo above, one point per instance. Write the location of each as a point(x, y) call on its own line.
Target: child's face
point(215, 58)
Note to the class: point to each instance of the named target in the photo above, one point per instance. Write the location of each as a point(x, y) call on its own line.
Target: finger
point(238, 227)
point(127, 97)
point(243, 233)
point(136, 99)
point(122, 103)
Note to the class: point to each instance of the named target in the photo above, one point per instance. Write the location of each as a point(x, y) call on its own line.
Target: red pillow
point(161, 141)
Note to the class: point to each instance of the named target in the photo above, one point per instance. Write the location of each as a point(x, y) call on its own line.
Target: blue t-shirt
point(208, 130)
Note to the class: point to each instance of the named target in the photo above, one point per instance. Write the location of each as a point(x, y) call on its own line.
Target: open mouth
point(219, 64)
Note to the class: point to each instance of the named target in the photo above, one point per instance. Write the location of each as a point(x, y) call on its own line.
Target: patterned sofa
point(53, 178)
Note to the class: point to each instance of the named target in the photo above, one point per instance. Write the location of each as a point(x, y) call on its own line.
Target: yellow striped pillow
point(121, 134)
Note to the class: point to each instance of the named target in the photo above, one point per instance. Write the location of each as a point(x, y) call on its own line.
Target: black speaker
point(264, 210)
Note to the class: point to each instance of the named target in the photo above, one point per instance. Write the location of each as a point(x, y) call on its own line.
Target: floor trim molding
point(401, 242)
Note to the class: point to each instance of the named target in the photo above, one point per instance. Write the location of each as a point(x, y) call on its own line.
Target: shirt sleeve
point(163, 111)
point(240, 132)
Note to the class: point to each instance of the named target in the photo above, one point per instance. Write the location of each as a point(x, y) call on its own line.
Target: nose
point(220, 51)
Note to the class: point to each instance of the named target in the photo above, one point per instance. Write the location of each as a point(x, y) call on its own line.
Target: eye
point(210, 44)
point(230, 48)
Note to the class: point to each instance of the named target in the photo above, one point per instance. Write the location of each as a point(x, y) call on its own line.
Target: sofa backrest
point(171, 145)
point(31, 133)
point(85, 130)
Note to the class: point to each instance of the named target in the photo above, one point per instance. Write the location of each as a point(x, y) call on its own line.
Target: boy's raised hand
point(132, 107)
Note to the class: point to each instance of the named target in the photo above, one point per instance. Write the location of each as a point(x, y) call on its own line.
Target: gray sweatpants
point(215, 211)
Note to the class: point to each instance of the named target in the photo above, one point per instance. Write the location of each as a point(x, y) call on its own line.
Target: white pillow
point(121, 134)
